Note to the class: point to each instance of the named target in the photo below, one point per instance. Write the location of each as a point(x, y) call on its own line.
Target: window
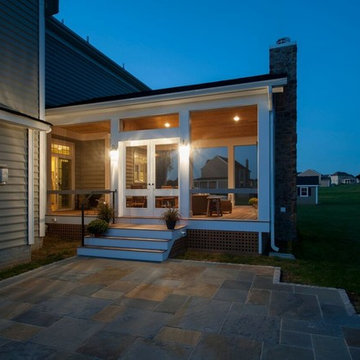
point(304, 192)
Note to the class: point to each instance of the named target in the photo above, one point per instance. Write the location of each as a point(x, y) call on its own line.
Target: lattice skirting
point(65, 231)
point(235, 242)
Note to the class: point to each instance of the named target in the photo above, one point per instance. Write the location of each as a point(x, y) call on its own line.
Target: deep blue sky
point(170, 43)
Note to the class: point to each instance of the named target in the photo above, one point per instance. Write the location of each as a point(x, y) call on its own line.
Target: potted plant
point(105, 212)
point(171, 216)
point(97, 227)
point(254, 202)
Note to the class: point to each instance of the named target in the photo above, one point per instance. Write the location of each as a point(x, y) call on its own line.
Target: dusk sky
point(171, 43)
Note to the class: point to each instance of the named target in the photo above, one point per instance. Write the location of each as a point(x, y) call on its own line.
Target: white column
point(184, 163)
point(42, 183)
point(114, 165)
point(30, 187)
point(263, 162)
point(231, 172)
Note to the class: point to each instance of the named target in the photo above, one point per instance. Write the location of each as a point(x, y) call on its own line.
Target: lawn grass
point(328, 250)
point(54, 249)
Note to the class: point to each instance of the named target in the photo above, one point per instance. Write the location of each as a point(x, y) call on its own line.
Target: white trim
point(42, 182)
point(30, 187)
point(184, 163)
point(24, 121)
point(307, 191)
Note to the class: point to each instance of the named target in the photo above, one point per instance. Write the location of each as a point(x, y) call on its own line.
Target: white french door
point(151, 176)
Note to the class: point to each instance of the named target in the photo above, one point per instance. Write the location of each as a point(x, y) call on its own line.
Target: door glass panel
point(166, 202)
point(136, 202)
point(166, 166)
point(60, 180)
point(136, 167)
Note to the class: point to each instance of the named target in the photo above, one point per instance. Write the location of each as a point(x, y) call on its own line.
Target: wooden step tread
point(127, 238)
point(151, 227)
point(123, 249)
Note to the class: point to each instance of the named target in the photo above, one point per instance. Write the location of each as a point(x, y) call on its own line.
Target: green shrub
point(97, 227)
point(105, 212)
point(171, 214)
point(253, 201)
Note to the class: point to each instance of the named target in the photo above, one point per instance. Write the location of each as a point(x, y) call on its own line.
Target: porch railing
point(85, 200)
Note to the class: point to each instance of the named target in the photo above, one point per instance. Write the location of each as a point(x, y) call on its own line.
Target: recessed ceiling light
point(236, 118)
point(167, 124)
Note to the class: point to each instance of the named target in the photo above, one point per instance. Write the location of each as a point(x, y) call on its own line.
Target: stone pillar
point(283, 58)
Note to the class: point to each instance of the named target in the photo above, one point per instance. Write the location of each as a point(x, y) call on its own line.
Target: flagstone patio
point(88, 308)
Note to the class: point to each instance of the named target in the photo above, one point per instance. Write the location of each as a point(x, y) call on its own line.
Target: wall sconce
point(184, 149)
point(114, 153)
point(4, 174)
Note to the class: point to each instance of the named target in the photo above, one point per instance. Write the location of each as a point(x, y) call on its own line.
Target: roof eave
point(226, 89)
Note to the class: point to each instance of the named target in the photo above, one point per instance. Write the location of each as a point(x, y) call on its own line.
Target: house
point(307, 190)
point(154, 137)
point(74, 71)
point(358, 179)
point(325, 181)
point(23, 130)
point(342, 178)
point(214, 174)
point(113, 138)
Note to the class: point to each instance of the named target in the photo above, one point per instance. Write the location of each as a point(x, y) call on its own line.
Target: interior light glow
point(114, 154)
point(167, 125)
point(236, 118)
point(184, 150)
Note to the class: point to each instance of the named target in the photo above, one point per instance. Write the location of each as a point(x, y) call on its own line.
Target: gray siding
point(13, 196)
point(310, 200)
point(76, 71)
point(90, 164)
point(19, 61)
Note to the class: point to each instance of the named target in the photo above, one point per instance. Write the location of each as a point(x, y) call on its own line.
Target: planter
point(170, 224)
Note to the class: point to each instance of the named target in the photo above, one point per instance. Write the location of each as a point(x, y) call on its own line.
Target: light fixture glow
point(114, 154)
point(167, 125)
point(236, 118)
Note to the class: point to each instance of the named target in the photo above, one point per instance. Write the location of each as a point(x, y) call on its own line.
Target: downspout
point(272, 177)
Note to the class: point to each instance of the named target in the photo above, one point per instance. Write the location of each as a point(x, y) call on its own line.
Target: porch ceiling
point(89, 128)
point(220, 123)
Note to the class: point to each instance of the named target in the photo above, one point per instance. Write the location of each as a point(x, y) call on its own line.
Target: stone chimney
point(283, 58)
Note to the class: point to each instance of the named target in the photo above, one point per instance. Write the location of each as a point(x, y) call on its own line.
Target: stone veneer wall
point(283, 59)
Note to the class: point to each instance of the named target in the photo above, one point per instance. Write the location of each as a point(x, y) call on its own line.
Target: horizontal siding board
point(13, 240)
point(19, 47)
point(6, 220)
point(13, 196)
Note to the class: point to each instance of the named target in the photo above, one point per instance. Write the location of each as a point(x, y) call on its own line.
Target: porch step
point(145, 242)
point(123, 253)
point(128, 242)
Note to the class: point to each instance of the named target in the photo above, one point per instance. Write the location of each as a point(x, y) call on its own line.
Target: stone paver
point(87, 308)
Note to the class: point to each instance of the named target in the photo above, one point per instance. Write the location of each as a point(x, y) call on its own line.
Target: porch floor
point(238, 213)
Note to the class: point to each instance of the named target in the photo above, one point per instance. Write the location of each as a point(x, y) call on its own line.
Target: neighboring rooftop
point(341, 173)
point(307, 180)
point(76, 71)
point(178, 89)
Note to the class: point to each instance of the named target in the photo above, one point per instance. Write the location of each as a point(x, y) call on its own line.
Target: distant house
point(325, 181)
point(342, 178)
point(358, 179)
point(307, 190)
point(214, 174)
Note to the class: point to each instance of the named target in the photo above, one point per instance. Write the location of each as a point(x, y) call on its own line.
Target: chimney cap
point(283, 40)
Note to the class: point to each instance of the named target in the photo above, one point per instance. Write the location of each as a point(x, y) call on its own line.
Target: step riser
point(152, 234)
point(134, 244)
point(117, 254)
